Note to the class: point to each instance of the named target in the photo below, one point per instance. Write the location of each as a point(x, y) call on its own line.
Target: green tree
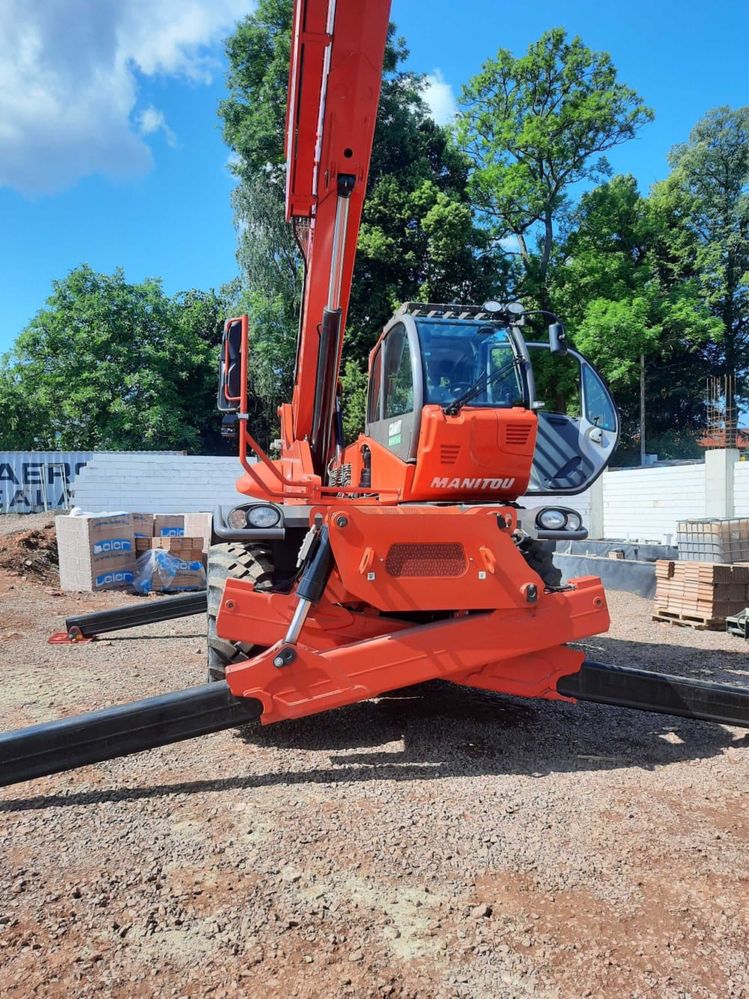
point(534, 126)
point(111, 365)
point(707, 197)
point(623, 302)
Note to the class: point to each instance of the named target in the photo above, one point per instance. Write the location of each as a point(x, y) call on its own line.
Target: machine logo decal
point(443, 482)
point(394, 433)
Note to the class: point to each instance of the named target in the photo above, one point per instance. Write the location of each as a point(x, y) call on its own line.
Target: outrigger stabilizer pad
point(56, 746)
point(83, 627)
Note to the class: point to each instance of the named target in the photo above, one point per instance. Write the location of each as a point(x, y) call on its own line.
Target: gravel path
point(442, 844)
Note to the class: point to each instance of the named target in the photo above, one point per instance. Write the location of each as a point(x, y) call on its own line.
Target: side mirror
point(557, 339)
point(230, 365)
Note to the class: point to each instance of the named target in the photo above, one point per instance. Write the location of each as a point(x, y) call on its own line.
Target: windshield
point(457, 353)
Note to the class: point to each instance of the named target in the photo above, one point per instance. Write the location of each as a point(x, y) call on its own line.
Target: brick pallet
point(699, 594)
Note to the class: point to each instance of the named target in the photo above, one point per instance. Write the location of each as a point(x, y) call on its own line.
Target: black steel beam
point(134, 615)
point(660, 692)
point(128, 728)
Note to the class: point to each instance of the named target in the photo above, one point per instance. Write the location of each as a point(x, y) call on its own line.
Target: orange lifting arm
point(338, 48)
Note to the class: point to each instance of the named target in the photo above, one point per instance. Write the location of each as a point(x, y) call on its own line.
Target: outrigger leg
point(157, 721)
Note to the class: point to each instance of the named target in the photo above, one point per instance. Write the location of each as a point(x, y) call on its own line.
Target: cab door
point(394, 394)
point(578, 425)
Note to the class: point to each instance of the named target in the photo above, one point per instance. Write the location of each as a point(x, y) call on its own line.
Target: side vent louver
point(517, 433)
point(449, 453)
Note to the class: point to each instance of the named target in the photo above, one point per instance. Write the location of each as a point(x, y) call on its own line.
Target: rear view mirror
point(557, 339)
point(230, 366)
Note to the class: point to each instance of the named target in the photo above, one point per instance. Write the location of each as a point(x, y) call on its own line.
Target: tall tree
point(623, 304)
point(708, 197)
point(534, 126)
point(112, 365)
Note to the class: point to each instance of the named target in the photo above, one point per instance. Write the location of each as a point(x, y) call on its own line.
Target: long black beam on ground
point(660, 692)
point(56, 746)
point(134, 615)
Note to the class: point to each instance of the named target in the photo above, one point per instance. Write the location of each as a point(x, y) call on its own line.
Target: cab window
point(398, 374)
point(460, 355)
point(598, 408)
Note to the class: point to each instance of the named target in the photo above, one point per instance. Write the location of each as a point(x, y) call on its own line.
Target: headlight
point(552, 520)
point(263, 516)
point(574, 521)
point(237, 518)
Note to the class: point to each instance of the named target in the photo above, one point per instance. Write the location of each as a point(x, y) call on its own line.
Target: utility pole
point(642, 408)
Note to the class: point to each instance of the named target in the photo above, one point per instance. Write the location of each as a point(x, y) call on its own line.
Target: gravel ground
point(442, 844)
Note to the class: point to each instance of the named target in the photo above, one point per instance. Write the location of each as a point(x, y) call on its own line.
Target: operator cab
point(435, 364)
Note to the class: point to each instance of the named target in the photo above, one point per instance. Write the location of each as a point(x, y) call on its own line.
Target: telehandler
point(356, 569)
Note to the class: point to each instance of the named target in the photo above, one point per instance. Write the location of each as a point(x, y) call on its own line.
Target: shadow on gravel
point(441, 731)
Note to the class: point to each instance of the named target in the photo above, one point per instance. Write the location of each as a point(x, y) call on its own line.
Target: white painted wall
point(157, 483)
point(741, 489)
point(644, 504)
point(639, 504)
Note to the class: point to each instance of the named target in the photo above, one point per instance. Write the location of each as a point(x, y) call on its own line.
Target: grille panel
point(436, 559)
point(449, 453)
point(517, 433)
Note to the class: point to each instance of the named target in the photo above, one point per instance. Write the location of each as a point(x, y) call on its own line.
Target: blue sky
point(114, 153)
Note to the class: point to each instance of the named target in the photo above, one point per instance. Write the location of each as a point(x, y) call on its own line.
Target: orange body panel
point(518, 651)
point(478, 454)
point(425, 558)
point(501, 630)
point(266, 617)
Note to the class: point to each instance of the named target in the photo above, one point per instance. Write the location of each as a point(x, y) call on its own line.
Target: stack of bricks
point(699, 594)
point(187, 549)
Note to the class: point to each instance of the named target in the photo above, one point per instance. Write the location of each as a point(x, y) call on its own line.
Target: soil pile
point(31, 554)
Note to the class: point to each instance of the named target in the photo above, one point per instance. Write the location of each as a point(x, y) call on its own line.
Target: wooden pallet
point(691, 620)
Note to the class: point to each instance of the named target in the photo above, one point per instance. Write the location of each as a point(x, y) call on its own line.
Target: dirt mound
point(31, 553)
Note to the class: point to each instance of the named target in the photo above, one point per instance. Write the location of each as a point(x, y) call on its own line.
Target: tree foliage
point(534, 126)
point(115, 366)
point(709, 189)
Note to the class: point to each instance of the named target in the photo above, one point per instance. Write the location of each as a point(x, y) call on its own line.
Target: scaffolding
point(721, 412)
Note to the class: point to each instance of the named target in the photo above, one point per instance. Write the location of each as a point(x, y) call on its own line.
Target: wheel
point(232, 561)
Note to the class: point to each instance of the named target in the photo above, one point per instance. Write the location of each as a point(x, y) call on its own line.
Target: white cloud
point(151, 120)
point(69, 77)
point(438, 94)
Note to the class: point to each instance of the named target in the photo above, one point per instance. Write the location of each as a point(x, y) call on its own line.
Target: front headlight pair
point(553, 519)
point(259, 517)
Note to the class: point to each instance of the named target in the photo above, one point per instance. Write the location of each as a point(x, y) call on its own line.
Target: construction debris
point(31, 554)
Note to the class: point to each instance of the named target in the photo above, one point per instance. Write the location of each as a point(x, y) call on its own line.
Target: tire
point(232, 561)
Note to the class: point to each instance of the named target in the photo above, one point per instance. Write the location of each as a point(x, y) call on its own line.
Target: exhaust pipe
point(54, 747)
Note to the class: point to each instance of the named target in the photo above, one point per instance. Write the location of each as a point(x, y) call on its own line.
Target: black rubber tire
point(232, 561)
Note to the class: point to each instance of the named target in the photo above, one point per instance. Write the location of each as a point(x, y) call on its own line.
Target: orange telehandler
point(406, 556)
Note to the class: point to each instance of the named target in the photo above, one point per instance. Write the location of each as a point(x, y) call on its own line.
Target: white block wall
point(741, 489)
point(145, 483)
point(644, 504)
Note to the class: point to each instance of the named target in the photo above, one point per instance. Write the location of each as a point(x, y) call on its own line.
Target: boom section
point(338, 49)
